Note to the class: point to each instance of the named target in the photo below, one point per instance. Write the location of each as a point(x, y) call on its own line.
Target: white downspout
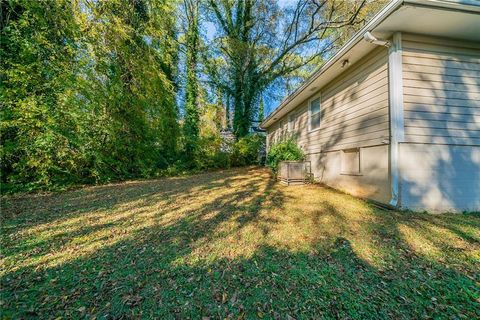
point(397, 129)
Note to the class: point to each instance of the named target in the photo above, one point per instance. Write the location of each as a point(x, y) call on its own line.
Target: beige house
point(394, 116)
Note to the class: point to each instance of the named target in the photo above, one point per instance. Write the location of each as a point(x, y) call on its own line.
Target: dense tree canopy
point(88, 90)
point(192, 116)
point(259, 42)
point(95, 91)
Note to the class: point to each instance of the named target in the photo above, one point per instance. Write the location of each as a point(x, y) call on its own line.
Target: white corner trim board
point(397, 129)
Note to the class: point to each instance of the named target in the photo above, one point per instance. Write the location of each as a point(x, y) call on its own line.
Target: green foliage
point(209, 154)
point(38, 130)
point(89, 88)
point(191, 119)
point(87, 91)
point(247, 149)
point(286, 150)
point(261, 110)
point(244, 152)
point(134, 75)
point(261, 44)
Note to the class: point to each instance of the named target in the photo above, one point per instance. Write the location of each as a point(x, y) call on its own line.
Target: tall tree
point(261, 109)
point(261, 42)
point(37, 56)
point(88, 90)
point(221, 111)
point(192, 114)
point(133, 67)
point(228, 114)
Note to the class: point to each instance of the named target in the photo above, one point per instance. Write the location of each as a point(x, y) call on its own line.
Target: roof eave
point(459, 5)
point(377, 19)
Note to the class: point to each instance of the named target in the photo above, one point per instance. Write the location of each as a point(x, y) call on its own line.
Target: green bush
point(246, 150)
point(286, 150)
point(209, 154)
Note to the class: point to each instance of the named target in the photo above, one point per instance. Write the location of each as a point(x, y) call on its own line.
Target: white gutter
point(397, 127)
point(457, 5)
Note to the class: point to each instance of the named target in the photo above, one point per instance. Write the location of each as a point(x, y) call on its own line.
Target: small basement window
point(350, 161)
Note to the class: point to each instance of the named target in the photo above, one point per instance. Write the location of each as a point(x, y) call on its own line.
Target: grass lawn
point(232, 244)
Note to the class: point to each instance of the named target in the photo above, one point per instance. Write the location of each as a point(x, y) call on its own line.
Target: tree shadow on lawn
point(54, 207)
point(255, 249)
point(169, 208)
point(272, 283)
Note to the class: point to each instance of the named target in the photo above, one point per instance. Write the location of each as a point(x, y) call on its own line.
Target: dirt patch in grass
point(233, 244)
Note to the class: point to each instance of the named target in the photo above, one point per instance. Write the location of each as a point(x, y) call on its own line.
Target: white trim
point(315, 97)
point(397, 127)
point(458, 5)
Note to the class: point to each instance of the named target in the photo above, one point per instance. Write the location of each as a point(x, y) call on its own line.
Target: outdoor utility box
point(294, 172)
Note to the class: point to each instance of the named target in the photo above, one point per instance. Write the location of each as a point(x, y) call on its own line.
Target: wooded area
point(95, 91)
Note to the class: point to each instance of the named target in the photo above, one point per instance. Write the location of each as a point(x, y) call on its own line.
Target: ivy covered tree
point(38, 49)
point(192, 115)
point(260, 42)
point(133, 68)
point(261, 110)
point(88, 90)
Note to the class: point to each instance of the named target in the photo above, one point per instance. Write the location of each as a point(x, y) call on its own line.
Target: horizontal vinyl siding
point(354, 108)
point(441, 91)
